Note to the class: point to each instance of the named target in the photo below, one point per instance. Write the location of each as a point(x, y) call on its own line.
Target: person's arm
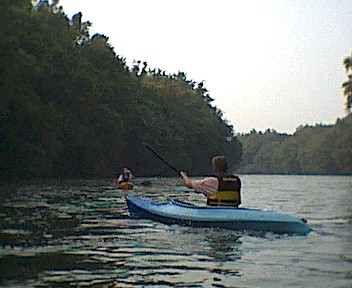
point(186, 180)
point(207, 186)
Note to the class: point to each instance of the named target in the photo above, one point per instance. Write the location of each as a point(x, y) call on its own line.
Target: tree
point(70, 107)
point(347, 85)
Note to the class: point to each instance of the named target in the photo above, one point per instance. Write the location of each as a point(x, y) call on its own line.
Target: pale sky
point(267, 63)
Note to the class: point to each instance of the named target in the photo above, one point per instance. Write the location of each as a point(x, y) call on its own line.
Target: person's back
point(228, 192)
point(222, 189)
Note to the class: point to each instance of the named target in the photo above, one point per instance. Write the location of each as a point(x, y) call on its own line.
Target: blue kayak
point(176, 212)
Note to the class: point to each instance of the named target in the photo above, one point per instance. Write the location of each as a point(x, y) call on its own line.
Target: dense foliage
point(322, 149)
point(70, 107)
point(319, 149)
point(347, 85)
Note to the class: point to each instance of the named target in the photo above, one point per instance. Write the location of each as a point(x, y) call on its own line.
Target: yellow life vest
point(228, 194)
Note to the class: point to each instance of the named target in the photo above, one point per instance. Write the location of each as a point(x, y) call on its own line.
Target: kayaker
point(222, 189)
point(125, 176)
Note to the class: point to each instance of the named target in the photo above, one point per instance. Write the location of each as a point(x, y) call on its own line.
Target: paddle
point(161, 158)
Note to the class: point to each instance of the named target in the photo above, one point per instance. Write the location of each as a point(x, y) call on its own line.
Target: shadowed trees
point(347, 85)
point(320, 149)
point(71, 107)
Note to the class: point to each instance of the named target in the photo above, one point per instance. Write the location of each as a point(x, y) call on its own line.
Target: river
point(79, 234)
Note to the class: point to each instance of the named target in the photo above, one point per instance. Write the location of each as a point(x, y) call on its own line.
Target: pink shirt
point(207, 186)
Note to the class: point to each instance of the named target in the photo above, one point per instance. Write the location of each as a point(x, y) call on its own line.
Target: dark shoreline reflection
point(225, 247)
point(77, 233)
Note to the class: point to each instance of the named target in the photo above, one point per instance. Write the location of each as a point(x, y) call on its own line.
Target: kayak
point(125, 185)
point(181, 213)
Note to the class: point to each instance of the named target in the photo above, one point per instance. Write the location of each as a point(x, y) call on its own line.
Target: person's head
point(219, 164)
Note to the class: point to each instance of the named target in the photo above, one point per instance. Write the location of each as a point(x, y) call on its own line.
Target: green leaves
point(320, 149)
point(70, 107)
point(347, 85)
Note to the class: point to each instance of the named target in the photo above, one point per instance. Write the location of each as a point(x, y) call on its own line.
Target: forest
point(72, 108)
point(311, 150)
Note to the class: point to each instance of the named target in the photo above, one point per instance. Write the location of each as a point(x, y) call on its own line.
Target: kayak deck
point(176, 212)
point(125, 186)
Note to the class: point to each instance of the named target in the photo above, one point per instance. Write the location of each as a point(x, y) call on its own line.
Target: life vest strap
point(224, 198)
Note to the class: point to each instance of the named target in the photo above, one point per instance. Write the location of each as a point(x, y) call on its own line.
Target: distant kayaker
point(125, 176)
point(222, 189)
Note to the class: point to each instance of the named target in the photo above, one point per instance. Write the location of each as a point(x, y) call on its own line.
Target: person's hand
point(186, 179)
point(183, 174)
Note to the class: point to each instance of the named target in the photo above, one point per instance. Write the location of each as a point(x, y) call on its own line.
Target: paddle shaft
point(161, 158)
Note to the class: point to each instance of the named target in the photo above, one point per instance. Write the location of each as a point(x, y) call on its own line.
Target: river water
point(79, 234)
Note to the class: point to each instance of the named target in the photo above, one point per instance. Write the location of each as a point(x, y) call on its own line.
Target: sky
point(269, 64)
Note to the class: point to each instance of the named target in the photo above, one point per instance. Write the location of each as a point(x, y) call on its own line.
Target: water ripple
point(79, 233)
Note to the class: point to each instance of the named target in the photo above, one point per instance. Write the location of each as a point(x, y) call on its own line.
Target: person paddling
point(222, 189)
point(125, 176)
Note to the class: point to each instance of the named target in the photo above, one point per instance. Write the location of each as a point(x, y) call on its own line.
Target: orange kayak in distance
point(125, 186)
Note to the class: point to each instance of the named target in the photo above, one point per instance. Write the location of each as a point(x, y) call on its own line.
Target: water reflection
point(224, 247)
point(179, 256)
point(78, 233)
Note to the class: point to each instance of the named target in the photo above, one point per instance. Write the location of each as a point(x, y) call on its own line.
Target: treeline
point(320, 149)
point(71, 107)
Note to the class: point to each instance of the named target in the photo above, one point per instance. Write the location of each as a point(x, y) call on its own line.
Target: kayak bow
point(125, 186)
point(176, 212)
